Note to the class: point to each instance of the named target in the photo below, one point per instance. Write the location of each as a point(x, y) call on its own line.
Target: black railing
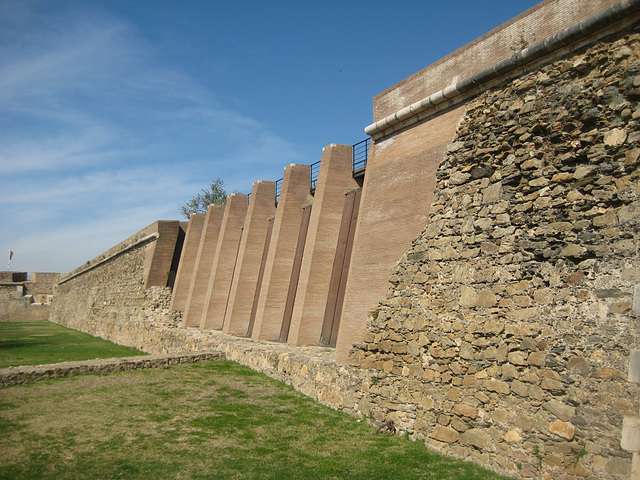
point(278, 188)
point(360, 154)
point(315, 169)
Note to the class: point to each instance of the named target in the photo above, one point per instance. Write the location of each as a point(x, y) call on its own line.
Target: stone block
point(476, 437)
point(560, 410)
point(465, 410)
point(562, 429)
point(630, 440)
point(445, 434)
point(512, 436)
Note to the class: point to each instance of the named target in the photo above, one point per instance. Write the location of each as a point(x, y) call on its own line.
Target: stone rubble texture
point(506, 335)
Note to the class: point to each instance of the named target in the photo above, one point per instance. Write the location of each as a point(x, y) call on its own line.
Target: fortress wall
point(406, 131)
point(41, 283)
point(109, 290)
point(282, 248)
point(507, 333)
point(396, 196)
point(22, 299)
point(202, 269)
point(187, 262)
point(335, 177)
point(160, 254)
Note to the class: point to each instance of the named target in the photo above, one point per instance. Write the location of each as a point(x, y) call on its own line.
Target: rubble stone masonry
point(506, 336)
point(109, 292)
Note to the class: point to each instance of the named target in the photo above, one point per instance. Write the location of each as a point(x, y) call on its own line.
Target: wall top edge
point(149, 238)
point(461, 89)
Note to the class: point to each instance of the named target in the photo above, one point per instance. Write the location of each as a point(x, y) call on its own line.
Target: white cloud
point(102, 136)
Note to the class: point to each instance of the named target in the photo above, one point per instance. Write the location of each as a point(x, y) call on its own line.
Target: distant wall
point(22, 299)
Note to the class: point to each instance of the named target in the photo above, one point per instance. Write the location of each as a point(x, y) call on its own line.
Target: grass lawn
point(37, 343)
point(216, 420)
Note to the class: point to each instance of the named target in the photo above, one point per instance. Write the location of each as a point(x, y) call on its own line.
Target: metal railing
point(315, 169)
point(278, 188)
point(360, 155)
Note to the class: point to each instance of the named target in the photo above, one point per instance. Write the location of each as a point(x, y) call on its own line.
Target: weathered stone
point(578, 365)
point(606, 373)
point(576, 278)
point(631, 157)
point(486, 298)
point(583, 171)
point(445, 434)
point(573, 250)
point(509, 371)
point(615, 137)
point(512, 436)
point(476, 438)
point(497, 386)
point(465, 410)
point(459, 425)
point(537, 358)
point(493, 327)
point(520, 388)
point(560, 410)
point(518, 358)
point(492, 193)
point(459, 178)
point(607, 219)
point(562, 429)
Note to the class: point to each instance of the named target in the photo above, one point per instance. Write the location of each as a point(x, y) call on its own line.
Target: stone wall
point(42, 283)
point(109, 291)
point(506, 335)
point(22, 299)
point(28, 374)
point(12, 304)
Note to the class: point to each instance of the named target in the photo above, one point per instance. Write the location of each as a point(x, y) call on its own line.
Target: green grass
point(214, 420)
point(37, 343)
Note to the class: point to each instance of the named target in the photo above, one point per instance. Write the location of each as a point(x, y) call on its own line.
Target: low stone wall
point(310, 370)
point(27, 374)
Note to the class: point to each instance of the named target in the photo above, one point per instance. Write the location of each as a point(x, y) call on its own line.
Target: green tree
point(215, 194)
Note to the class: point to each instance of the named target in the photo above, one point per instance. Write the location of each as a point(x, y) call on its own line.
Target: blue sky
point(115, 112)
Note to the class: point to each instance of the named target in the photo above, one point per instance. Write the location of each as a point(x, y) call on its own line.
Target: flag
point(10, 254)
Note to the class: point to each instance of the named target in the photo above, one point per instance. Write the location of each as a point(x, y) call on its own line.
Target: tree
point(216, 194)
